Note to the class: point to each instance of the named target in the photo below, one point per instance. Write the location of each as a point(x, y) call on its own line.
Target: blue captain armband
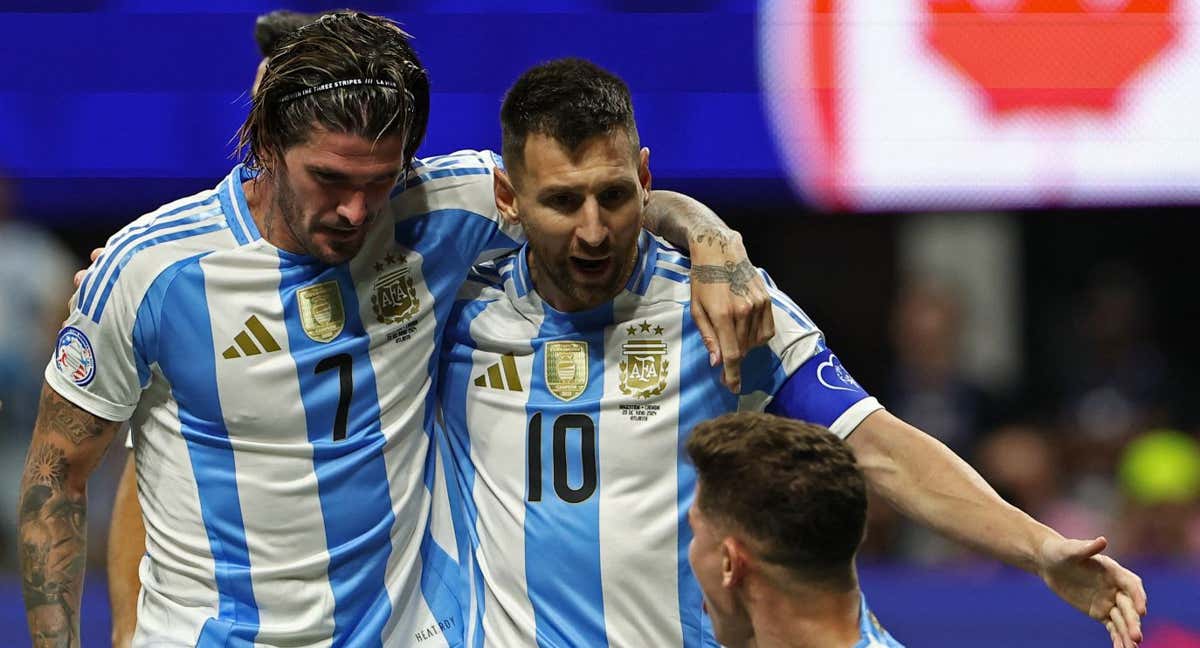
point(819, 391)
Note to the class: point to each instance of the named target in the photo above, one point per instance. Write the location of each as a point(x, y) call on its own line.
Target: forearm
point(685, 221)
point(927, 482)
point(126, 546)
point(65, 448)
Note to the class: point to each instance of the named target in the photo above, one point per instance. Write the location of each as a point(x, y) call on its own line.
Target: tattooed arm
point(67, 445)
point(730, 303)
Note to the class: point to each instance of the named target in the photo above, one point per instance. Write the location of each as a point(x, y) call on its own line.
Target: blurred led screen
point(985, 103)
point(119, 105)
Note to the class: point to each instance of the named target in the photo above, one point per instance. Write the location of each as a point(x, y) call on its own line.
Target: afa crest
point(566, 368)
point(644, 362)
point(321, 312)
point(394, 298)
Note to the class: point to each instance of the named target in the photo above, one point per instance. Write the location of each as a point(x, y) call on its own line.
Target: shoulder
point(155, 244)
point(462, 180)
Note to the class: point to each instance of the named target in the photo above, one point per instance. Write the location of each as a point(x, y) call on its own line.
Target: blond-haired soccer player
point(780, 511)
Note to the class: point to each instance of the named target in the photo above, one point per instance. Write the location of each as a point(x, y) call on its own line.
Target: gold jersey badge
point(394, 298)
point(321, 312)
point(644, 362)
point(567, 369)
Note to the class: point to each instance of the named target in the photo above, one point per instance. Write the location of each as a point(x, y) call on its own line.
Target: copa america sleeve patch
point(73, 356)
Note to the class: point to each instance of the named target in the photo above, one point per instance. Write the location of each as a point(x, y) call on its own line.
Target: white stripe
point(237, 210)
point(639, 521)
point(277, 486)
point(402, 386)
point(850, 419)
point(500, 478)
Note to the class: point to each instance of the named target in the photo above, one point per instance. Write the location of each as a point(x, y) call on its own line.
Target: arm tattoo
point(68, 442)
point(53, 547)
point(713, 237)
point(64, 418)
point(737, 275)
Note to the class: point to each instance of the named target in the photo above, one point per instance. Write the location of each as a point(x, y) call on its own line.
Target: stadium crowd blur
point(1095, 435)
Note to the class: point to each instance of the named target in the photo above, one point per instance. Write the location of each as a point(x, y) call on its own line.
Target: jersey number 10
point(587, 458)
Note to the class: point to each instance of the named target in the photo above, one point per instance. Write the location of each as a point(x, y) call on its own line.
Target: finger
point(1129, 583)
point(743, 316)
point(96, 252)
point(731, 353)
point(1112, 633)
point(1081, 549)
point(79, 277)
point(1122, 630)
point(707, 333)
point(1132, 620)
point(766, 324)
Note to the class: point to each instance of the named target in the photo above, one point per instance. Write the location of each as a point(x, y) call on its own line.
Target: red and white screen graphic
point(896, 104)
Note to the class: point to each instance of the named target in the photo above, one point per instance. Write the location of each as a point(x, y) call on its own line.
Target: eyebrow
point(624, 183)
point(338, 176)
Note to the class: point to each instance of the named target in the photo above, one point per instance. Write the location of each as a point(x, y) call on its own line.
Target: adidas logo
point(502, 375)
point(242, 341)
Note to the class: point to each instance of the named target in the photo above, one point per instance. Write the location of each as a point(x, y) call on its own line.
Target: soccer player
point(271, 341)
point(779, 512)
point(573, 371)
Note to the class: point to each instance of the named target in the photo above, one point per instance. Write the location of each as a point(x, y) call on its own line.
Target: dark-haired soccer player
point(272, 342)
point(779, 513)
point(573, 372)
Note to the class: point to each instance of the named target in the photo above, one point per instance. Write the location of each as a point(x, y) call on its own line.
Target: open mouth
point(591, 267)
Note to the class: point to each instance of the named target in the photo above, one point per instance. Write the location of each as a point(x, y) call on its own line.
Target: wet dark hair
point(372, 85)
point(271, 27)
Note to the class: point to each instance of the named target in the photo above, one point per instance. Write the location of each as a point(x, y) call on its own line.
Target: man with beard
point(573, 371)
point(270, 341)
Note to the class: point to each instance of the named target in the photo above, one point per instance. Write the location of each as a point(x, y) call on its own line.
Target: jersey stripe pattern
point(570, 486)
point(282, 413)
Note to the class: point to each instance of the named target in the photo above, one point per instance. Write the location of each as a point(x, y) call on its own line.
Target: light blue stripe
point(189, 362)
point(128, 256)
point(115, 247)
point(701, 397)
point(670, 274)
point(352, 481)
point(455, 385)
point(562, 540)
point(149, 313)
point(670, 256)
point(445, 173)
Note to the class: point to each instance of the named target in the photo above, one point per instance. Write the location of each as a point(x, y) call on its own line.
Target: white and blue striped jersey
point(871, 633)
point(564, 437)
point(282, 411)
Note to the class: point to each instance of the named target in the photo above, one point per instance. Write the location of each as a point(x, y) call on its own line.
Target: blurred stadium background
point(984, 204)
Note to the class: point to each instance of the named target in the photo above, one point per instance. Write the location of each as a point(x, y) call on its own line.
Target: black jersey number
point(344, 363)
point(587, 458)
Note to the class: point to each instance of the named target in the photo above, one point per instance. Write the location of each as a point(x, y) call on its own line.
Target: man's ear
point(734, 563)
point(506, 195)
point(644, 176)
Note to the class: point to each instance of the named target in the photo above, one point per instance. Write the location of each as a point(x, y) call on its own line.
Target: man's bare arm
point(926, 481)
point(126, 546)
point(67, 444)
point(731, 305)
